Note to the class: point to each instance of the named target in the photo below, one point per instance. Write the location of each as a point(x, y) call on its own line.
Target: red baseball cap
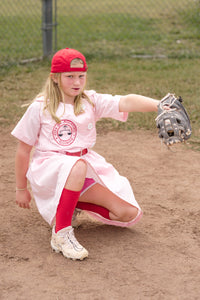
point(62, 59)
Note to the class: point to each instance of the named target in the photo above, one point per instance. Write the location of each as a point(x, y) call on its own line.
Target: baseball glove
point(173, 123)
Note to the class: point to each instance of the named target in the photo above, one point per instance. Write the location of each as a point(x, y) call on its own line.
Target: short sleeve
point(28, 128)
point(107, 106)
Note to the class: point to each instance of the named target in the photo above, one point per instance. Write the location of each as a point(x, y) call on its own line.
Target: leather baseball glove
point(173, 123)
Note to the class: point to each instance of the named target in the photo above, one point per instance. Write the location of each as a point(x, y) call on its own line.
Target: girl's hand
point(166, 107)
point(23, 198)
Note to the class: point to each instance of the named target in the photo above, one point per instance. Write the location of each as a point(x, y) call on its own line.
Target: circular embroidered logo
point(64, 133)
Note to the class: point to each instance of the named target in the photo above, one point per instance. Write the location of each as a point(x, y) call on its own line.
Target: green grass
point(20, 30)
point(20, 43)
point(103, 29)
point(167, 28)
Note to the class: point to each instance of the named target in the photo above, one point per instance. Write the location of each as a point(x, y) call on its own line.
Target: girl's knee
point(79, 169)
point(129, 213)
point(77, 176)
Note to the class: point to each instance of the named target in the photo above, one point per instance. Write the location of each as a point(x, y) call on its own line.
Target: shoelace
point(73, 238)
point(70, 237)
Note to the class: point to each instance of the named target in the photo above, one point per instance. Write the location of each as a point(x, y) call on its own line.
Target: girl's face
point(72, 84)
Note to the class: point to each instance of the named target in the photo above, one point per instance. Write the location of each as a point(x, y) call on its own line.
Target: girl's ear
point(54, 78)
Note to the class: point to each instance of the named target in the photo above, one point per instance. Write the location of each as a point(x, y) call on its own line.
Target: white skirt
point(48, 173)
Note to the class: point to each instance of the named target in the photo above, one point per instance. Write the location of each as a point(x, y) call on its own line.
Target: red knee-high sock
point(65, 209)
point(104, 212)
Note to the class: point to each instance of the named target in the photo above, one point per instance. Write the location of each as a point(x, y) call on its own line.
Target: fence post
point(47, 27)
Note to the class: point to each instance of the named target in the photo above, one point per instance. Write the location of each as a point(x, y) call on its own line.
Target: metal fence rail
point(31, 29)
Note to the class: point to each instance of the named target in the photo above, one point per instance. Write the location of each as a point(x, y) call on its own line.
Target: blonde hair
point(53, 95)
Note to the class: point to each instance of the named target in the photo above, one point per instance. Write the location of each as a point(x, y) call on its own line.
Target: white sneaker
point(64, 241)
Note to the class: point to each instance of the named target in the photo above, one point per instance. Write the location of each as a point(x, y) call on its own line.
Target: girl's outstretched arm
point(23, 196)
point(137, 103)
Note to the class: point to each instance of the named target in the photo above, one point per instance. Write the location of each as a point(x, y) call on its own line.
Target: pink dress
point(50, 167)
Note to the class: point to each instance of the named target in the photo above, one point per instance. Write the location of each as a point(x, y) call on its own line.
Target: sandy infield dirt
point(158, 258)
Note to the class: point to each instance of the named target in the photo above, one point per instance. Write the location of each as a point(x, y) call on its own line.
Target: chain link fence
point(107, 28)
point(20, 30)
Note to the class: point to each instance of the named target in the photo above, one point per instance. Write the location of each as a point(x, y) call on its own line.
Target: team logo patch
point(64, 133)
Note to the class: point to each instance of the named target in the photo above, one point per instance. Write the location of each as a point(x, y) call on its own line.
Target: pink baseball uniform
point(50, 166)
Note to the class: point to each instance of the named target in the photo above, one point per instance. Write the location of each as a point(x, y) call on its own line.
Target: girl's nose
point(76, 81)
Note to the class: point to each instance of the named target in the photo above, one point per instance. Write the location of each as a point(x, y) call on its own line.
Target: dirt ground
point(158, 258)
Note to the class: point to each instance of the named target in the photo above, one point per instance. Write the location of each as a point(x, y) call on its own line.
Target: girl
point(65, 173)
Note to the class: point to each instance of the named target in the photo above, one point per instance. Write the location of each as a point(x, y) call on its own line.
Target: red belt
point(79, 153)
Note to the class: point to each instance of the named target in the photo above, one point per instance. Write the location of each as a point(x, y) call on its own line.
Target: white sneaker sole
point(58, 250)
